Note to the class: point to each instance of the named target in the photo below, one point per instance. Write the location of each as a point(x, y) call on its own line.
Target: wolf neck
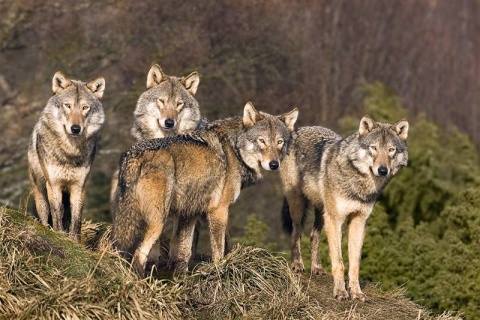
point(228, 130)
point(356, 184)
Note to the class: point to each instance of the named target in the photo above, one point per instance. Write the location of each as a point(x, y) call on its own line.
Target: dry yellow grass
point(44, 275)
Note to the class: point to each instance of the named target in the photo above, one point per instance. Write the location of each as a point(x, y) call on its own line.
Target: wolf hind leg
point(181, 244)
point(295, 203)
point(41, 204)
point(154, 197)
point(113, 190)
point(316, 267)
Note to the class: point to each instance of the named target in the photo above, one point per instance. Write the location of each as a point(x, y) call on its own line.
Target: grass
point(44, 275)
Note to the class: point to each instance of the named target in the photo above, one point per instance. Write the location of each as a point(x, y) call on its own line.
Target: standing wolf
point(167, 108)
point(62, 149)
point(341, 179)
point(192, 174)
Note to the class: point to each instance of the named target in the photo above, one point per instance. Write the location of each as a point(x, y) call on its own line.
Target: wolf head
point(382, 148)
point(170, 101)
point(266, 137)
point(75, 107)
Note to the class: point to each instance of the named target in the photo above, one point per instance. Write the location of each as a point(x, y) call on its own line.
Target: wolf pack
point(186, 168)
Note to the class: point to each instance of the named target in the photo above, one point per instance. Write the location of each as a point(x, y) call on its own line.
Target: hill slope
point(45, 275)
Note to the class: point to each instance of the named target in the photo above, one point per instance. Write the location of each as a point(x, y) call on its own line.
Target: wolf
point(188, 175)
point(62, 149)
point(167, 108)
point(341, 179)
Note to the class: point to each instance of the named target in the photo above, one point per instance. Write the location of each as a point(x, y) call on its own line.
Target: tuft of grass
point(250, 282)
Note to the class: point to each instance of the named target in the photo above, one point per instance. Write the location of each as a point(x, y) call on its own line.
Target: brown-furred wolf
point(341, 179)
point(62, 149)
point(188, 175)
point(166, 108)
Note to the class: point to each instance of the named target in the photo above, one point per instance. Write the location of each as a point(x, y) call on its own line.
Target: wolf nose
point(75, 129)
point(382, 171)
point(169, 123)
point(273, 164)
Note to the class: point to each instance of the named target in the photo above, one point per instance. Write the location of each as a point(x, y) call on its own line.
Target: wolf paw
point(297, 266)
point(74, 236)
point(317, 270)
point(138, 266)
point(181, 266)
point(340, 294)
point(358, 295)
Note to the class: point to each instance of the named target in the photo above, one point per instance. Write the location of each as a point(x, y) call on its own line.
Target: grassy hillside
point(44, 275)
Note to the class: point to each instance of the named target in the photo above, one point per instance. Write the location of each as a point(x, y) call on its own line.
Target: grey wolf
point(188, 175)
point(341, 179)
point(167, 107)
point(62, 149)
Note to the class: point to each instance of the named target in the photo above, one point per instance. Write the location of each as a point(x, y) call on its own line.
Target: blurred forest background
point(336, 60)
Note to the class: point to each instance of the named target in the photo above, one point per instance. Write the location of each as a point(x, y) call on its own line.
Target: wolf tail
point(286, 218)
point(127, 220)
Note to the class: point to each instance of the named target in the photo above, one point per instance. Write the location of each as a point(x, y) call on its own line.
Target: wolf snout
point(169, 123)
point(382, 171)
point(273, 164)
point(75, 129)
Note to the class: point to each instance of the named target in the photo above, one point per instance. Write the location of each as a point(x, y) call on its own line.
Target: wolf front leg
point(54, 194)
point(333, 228)
point(180, 249)
point(41, 204)
point(296, 204)
point(77, 196)
point(217, 222)
point(356, 232)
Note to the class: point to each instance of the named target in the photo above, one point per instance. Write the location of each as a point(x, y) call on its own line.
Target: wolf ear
point(60, 82)
point(290, 118)
point(97, 87)
point(401, 128)
point(250, 115)
point(191, 82)
point(366, 125)
point(155, 76)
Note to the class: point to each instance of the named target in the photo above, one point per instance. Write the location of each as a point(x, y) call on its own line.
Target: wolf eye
point(85, 107)
point(392, 149)
point(67, 105)
point(161, 101)
point(261, 140)
point(373, 147)
point(280, 141)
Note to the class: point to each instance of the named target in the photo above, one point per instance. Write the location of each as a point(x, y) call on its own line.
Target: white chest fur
point(66, 174)
point(347, 206)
